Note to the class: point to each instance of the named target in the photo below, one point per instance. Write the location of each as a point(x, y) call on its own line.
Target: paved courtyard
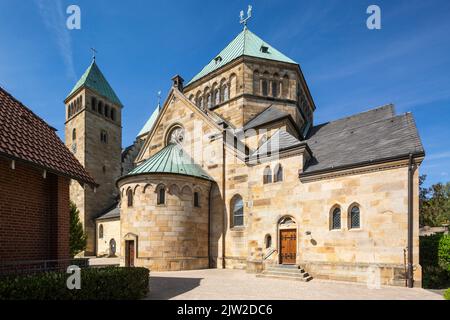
point(227, 284)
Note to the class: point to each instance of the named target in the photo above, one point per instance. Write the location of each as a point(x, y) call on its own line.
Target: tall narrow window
point(100, 107)
point(267, 178)
point(100, 231)
point(225, 93)
point(355, 221)
point(196, 199)
point(336, 219)
point(274, 89)
point(93, 104)
point(278, 176)
point(237, 206)
point(106, 110)
point(103, 136)
point(74, 134)
point(264, 87)
point(113, 114)
point(208, 99)
point(130, 198)
point(161, 195)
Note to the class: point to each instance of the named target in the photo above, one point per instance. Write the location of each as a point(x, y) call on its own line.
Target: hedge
point(447, 294)
point(435, 261)
point(112, 283)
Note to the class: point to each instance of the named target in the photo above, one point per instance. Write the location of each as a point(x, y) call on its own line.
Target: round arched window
point(176, 135)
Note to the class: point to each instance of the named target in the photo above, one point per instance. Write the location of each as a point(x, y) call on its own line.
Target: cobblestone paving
point(237, 284)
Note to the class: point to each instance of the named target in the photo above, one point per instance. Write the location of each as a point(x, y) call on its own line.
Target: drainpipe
point(225, 215)
point(410, 274)
point(209, 224)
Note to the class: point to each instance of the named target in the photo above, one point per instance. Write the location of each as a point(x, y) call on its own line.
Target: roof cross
point(94, 52)
point(249, 15)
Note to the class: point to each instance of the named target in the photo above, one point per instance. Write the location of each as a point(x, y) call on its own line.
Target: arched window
point(103, 136)
point(200, 103)
point(93, 104)
point(106, 110)
point(264, 87)
point(100, 231)
point(196, 199)
point(278, 174)
point(336, 219)
point(268, 241)
point(74, 134)
point(100, 107)
point(267, 178)
point(256, 89)
point(113, 114)
point(237, 207)
point(217, 97)
point(130, 198)
point(226, 94)
point(161, 195)
point(208, 99)
point(354, 218)
point(275, 89)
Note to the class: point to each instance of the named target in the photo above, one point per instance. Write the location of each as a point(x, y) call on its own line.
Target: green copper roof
point(171, 159)
point(246, 43)
point(150, 122)
point(94, 79)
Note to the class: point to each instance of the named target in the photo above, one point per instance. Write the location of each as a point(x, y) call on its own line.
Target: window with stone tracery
point(176, 135)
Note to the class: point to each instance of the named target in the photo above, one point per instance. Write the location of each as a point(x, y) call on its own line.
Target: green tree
point(78, 238)
point(434, 203)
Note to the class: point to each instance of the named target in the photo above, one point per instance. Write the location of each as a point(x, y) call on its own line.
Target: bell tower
point(93, 132)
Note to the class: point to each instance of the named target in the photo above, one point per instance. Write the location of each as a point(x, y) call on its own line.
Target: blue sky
point(142, 44)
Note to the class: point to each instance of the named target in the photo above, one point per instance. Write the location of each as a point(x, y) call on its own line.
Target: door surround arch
point(287, 247)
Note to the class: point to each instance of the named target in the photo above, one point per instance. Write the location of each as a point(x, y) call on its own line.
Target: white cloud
point(439, 156)
point(53, 15)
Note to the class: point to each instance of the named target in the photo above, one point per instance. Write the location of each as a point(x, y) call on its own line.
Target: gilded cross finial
point(249, 15)
point(94, 52)
point(159, 100)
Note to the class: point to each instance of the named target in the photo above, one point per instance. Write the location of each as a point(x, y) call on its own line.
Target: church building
point(233, 172)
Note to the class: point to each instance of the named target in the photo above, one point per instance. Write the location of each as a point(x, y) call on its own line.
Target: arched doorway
point(112, 248)
point(287, 235)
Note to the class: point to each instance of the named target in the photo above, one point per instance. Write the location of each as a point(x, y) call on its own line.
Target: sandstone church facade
point(232, 172)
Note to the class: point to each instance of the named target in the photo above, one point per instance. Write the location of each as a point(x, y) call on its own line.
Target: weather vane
point(249, 15)
point(159, 99)
point(93, 53)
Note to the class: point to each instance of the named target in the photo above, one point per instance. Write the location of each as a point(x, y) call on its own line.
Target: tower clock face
point(176, 135)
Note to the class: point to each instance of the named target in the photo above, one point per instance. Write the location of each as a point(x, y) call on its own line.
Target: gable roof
point(94, 79)
point(150, 122)
point(270, 114)
point(111, 213)
point(172, 159)
point(370, 136)
point(246, 43)
point(25, 136)
point(280, 141)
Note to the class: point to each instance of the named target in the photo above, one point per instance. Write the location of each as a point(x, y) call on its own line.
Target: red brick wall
point(34, 214)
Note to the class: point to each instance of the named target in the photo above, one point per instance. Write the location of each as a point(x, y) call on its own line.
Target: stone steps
point(289, 272)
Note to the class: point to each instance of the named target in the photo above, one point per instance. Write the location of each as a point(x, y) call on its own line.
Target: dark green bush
point(444, 252)
point(96, 284)
point(429, 248)
point(434, 277)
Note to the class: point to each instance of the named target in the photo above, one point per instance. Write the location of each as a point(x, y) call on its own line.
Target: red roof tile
point(25, 136)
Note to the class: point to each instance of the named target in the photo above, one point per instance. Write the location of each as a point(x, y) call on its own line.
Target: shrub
point(434, 277)
point(77, 237)
point(447, 294)
point(96, 284)
point(444, 252)
point(429, 247)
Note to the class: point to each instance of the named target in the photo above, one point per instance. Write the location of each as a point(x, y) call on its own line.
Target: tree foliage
point(434, 203)
point(78, 238)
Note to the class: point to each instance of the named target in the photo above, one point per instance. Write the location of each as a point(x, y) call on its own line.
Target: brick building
point(35, 172)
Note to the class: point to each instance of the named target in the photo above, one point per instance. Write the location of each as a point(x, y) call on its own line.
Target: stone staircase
point(288, 272)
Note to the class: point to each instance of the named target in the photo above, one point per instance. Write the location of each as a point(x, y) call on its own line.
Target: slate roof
point(246, 43)
point(111, 213)
point(272, 113)
point(25, 136)
point(367, 137)
point(94, 79)
point(282, 138)
point(172, 159)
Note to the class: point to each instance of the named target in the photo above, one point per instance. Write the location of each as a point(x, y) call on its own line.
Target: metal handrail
point(269, 254)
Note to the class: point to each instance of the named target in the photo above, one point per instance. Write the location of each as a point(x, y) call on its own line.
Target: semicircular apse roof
point(172, 159)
